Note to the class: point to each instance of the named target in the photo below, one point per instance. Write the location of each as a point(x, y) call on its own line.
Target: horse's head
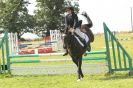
point(69, 37)
point(70, 31)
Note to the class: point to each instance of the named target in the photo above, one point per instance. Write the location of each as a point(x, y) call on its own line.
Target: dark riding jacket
point(71, 21)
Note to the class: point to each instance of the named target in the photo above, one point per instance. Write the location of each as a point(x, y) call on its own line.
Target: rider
point(71, 21)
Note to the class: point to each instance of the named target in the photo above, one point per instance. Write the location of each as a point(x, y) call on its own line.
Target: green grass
point(67, 81)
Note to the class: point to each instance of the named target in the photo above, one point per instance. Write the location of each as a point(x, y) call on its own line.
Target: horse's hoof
point(81, 78)
point(78, 80)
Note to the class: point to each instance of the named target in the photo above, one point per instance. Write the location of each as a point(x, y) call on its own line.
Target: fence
point(13, 43)
point(4, 56)
point(115, 55)
point(56, 40)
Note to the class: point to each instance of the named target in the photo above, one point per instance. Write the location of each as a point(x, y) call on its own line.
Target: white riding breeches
point(82, 35)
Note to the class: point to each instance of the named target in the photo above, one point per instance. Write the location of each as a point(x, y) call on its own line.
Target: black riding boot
point(85, 44)
point(89, 47)
point(66, 52)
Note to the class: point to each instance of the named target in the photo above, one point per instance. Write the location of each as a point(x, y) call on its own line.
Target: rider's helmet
point(70, 8)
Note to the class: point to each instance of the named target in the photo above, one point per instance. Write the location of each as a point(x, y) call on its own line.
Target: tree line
point(14, 16)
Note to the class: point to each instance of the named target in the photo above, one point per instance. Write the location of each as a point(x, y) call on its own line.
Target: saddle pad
point(79, 41)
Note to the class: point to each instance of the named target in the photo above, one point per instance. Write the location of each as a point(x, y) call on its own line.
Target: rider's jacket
point(71, 21)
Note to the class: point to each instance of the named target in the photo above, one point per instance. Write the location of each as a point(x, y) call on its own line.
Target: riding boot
point(85, 44)
point(89, 47)
point(66, 52)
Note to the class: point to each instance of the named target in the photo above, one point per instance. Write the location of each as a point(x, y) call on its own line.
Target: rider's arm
point(66, 23)
point(75, 21)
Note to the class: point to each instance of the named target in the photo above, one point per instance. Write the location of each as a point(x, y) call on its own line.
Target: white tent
point(30, 36)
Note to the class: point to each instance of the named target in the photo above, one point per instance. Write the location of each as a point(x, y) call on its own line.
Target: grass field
point(67, 81)
point(117, 80)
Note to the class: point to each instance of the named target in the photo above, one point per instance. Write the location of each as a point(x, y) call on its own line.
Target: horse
point(74, 45)
point(75, 50)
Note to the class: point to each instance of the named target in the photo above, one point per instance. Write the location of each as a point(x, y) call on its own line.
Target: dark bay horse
point(76, 50)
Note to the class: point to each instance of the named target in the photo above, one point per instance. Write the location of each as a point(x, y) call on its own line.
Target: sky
point(115, 13)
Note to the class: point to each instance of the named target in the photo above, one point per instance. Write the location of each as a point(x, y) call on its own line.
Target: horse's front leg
point(75, 60)
point(80, 74)
point(78, 63)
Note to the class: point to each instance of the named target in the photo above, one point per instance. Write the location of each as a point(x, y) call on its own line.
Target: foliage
point(48, 14)
point(14, 16)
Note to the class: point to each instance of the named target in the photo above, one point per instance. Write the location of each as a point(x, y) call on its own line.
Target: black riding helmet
point(70, 8)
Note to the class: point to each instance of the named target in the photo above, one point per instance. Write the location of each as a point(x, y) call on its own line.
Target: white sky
point(32, 7)
point(115, 13)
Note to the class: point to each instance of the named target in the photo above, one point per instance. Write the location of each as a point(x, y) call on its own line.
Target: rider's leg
point(64, 46)
point(89, 47)
point(83, 36)
point(66, 52)
point(84, 42)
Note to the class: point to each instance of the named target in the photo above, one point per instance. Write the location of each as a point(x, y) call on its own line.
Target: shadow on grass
point(117, 76)
point(5, 76)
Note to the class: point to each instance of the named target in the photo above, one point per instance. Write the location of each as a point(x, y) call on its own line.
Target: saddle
point(82, 41)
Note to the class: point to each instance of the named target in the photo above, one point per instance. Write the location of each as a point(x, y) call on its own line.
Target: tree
point(48, 14)
point(14, 16)
point(2, 12)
